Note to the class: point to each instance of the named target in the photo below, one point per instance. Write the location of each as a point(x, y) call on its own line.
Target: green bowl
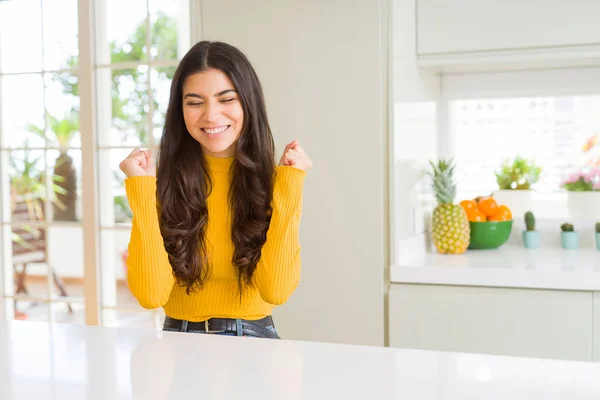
point(489, 234)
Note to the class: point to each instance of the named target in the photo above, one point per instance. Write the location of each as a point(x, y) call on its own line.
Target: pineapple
point(451, 230)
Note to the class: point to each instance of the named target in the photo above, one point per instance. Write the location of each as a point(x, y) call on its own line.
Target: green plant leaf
point(520, 174)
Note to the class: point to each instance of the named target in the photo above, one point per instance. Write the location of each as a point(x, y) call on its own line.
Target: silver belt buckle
point(207, 330)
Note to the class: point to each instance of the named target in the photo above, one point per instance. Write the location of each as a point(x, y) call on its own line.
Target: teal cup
point(569, 240)
point(531, 239)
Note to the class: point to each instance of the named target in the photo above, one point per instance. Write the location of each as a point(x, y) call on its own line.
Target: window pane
point(31, 311)
point(114, 271)
point(65, 257)
point(22, 113)
point(29, 261)
point(27, 185)
point(123, 33)
point(170, 28)
point(29, 188)
point(550, 131)
point(29, 245)
point(20, 19)
point(27, 211)
point(5, 191)
point(43, 257)
point(128, 109)
point(64, 169)
point(161, 88)
point(68, 313)
point(114, 207)
point(115, 291)
point(62, 101)
point(47, 261)
point(60, 34)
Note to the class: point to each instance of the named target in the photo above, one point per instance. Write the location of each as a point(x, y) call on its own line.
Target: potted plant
point(531, 237)
point(569, 237)
point(598, 235)
point(62, 132)
point(583, 193)
point(28, 188)
point(515, 179)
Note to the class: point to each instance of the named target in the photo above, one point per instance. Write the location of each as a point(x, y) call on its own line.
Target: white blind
point(548, 130)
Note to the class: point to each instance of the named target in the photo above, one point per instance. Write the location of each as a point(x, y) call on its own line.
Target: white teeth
point(215, 130)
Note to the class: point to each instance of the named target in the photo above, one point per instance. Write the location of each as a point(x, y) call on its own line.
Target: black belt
point(223, 325)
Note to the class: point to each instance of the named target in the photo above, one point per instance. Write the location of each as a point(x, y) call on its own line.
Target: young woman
point(214, 237)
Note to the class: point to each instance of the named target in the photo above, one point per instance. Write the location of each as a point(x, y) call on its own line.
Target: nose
point(212, 112)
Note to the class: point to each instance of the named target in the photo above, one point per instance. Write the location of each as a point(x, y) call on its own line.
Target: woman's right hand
point(138, 163)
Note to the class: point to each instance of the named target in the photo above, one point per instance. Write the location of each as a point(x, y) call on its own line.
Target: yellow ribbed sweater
point(150, 275)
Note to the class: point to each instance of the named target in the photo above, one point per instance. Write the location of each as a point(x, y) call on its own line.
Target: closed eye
point(227, 100)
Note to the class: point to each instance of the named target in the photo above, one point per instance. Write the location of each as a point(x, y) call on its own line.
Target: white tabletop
point(509, 266)
point(52, 361)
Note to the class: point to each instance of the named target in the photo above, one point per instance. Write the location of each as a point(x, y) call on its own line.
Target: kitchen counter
point(510, 266)
point(52, 361)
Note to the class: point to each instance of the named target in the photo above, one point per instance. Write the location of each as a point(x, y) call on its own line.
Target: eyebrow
point(216, 95)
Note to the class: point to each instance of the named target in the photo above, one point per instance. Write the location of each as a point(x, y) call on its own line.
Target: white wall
point(322, 68)
point(416, 99)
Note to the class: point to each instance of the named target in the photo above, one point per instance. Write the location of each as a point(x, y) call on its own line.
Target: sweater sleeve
point(149, 273)
point(278, 271)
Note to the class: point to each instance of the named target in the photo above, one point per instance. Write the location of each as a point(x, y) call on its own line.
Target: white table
point(51, 361)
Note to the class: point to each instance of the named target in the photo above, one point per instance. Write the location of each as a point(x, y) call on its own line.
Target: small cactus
point(566, 227)
point(530, 221)
point(597, 227)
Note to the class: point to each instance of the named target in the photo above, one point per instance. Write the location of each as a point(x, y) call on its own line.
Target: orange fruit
point(468, 205)
point(476, 215)
point(499, 217)
point(488, 206)
point(505, 211)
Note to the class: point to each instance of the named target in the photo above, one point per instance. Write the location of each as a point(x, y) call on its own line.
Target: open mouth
point(216, 131)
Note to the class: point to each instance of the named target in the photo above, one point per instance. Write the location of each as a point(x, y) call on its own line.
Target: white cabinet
point(465, 26)
point(515, 322)
point(597, 326)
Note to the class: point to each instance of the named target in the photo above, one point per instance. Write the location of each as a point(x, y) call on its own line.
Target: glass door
point(138, 46)
point(85, 83)
point(40, 156)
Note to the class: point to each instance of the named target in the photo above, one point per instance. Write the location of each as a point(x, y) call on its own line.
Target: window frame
point(89, 16)
point(579, 81)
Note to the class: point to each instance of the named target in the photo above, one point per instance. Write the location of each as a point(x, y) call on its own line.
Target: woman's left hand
point(295, 156)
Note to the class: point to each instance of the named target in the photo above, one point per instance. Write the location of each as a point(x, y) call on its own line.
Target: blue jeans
point(243, 328)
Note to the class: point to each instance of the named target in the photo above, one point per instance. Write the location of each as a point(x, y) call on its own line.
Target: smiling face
point(212, 112)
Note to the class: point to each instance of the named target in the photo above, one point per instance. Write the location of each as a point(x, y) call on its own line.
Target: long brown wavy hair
point(183, 181)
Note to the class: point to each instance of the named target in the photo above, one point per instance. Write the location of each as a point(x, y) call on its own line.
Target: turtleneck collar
point(217, 164)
